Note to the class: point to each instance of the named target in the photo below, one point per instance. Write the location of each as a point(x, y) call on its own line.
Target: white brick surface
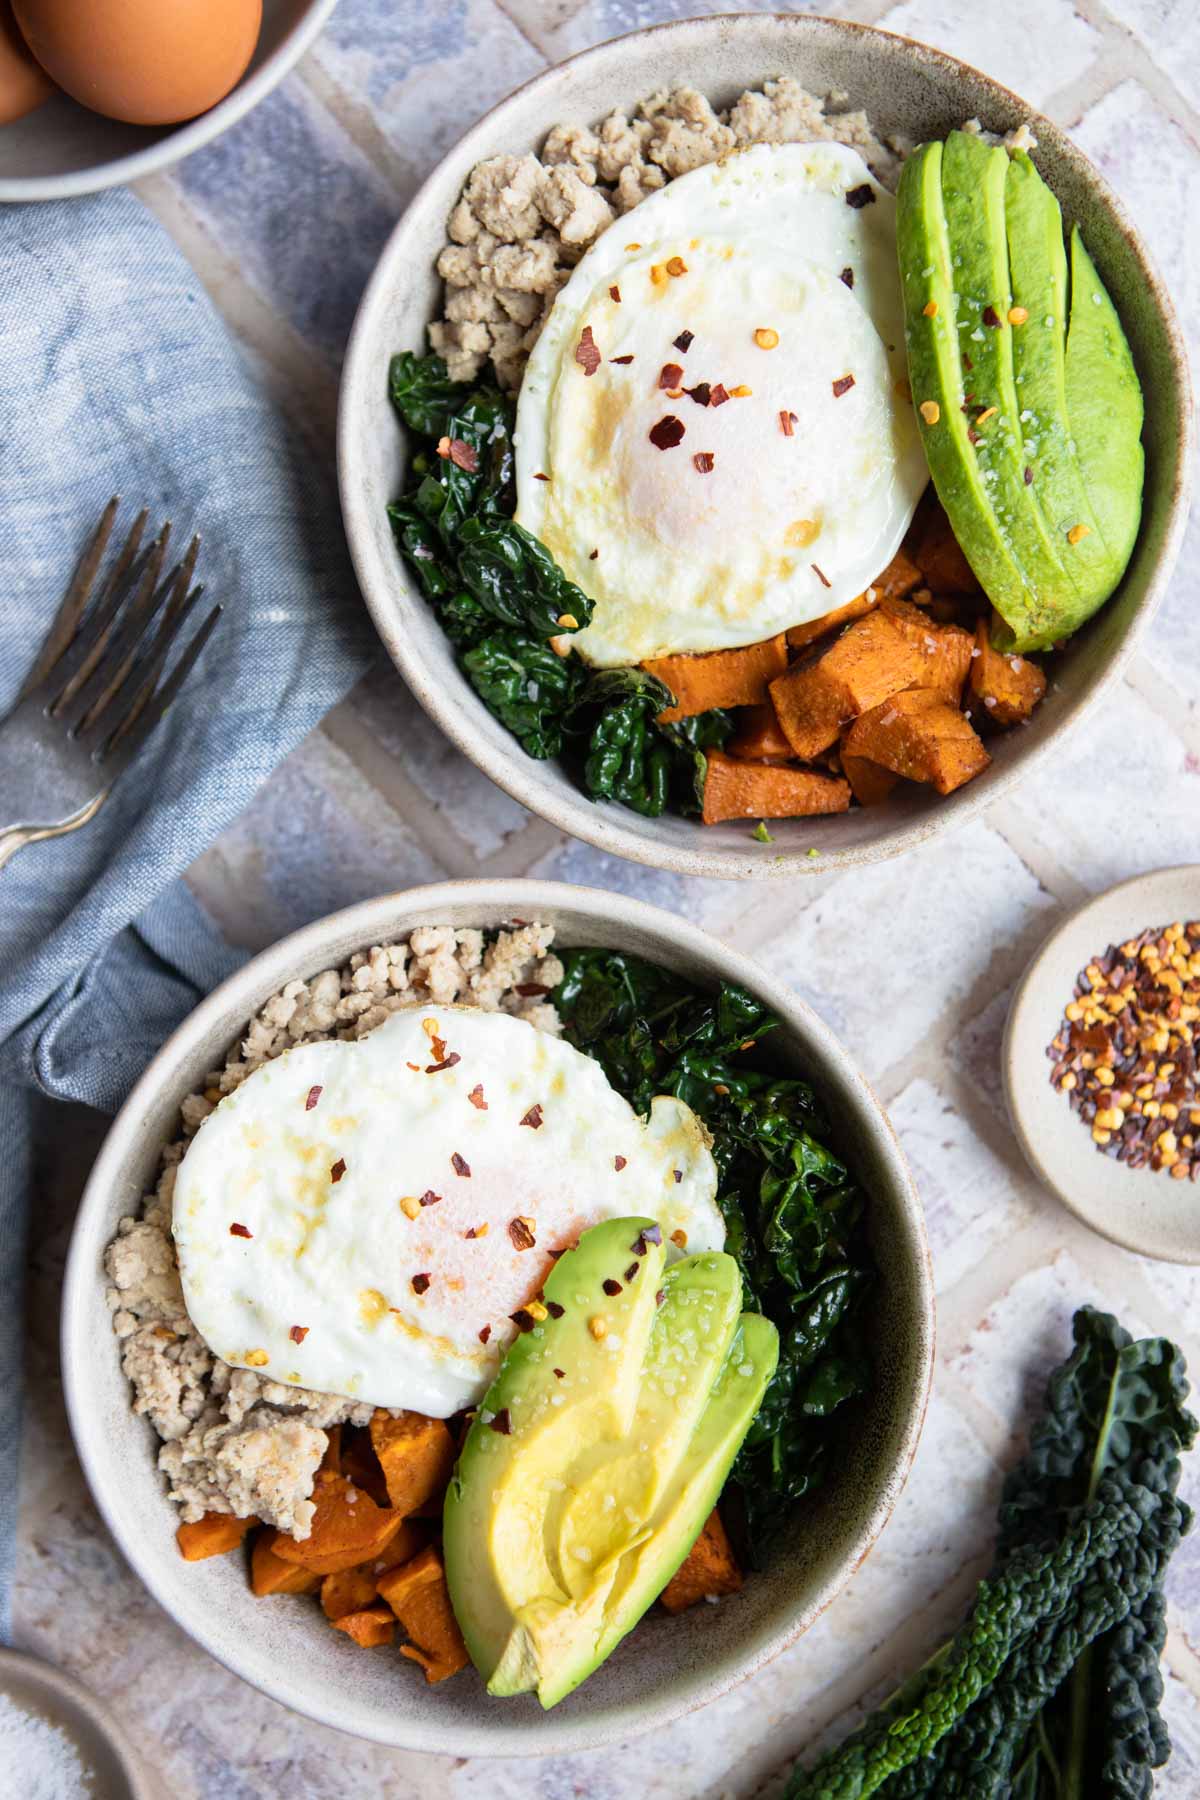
point(912, 962)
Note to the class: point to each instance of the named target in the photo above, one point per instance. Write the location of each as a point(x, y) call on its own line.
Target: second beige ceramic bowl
point(667, 1666)
point(906, 88)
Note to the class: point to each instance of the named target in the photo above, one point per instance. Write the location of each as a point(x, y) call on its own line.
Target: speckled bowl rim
point(88, 1721)
point(1017, 1075)
point(303, 951)
point(388, 601)
point(192, 135)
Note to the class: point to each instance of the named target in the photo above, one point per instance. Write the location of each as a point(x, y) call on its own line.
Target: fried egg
point(363, 1218)
point(715, 436)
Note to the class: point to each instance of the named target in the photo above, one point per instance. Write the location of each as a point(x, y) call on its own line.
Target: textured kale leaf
point(526, 685)
point(422, 392)
point(630, 756)
point(793, 1215)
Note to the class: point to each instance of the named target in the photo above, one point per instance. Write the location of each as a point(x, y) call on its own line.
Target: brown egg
point(23, 85)
point(145, 61)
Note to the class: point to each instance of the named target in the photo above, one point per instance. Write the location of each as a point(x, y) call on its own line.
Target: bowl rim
point(302, 951)
point(182, 139)
point(602, 826)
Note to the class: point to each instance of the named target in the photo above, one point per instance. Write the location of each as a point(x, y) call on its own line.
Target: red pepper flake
point(847, 276)
point(991, 317)
point(859, 197)
point(842, 385)
point(704, 461)
point(1028, 476)
point(660, 1296)
point(338, 1170)
point(587, 353)
point(670, 375)
point(447, 1062)
point(554, 1309)
point(501, 1422)
point(825, 582)
point(632, 1270)
point(420, 1283)
point(967, 363)
point(558, 1374)
point(540, 477)
point(621, 359)
point(614, 294)
point(476, 1097)
point(429, 1198)
point(314, 1094)
point(719, 394)
point(462, 455)
point(591, 558)
point(298, 1333)
point(612, 1288)
point(415, 1067)
point(972, 434)
point(528, 989)
point(459, 1164)
point(485, 1332)
point(684, 341)
point(701, 393)
point(533, 1118)
point(519, 1230)
point(476, 1231)
point(787, 423)
point(239, 1231)
point(619, 1163)
point(678, 1173)
point(524, 1321)
point(667, 433)
point(651, 1235)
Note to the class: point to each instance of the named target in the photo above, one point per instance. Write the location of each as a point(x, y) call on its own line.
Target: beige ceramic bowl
point(1137, 1208)
point(62, 149)
point(668, 1666)
point(904, 87)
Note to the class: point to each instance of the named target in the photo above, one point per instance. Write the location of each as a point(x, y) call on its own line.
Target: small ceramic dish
point(1137, 1208)
point(668, 1666)
point(905, 88)
point(110, 1766)
point(62, 149)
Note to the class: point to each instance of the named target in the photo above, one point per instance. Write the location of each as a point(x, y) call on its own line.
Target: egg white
point(332, 1254)
point(785, 527)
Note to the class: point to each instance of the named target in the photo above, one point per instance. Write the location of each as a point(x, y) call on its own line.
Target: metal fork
point(95, 693)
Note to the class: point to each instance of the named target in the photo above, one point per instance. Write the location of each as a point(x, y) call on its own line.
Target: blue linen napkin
point(118, 377)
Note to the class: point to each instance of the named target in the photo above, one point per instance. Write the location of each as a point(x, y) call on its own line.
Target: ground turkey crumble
point(523, 222)
point(234, 1441)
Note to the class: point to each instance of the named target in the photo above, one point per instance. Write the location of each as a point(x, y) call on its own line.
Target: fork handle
point(16, 837)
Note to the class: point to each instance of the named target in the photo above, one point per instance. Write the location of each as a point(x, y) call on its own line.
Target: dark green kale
point(1050, 1691)
point(793, 1214)
point(500, 597)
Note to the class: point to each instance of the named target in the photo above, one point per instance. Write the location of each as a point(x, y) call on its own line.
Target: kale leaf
point(793, 1214)
point(633, 758)
point(526, 685)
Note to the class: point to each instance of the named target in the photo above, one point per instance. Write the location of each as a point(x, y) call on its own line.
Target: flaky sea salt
point(38, 1759)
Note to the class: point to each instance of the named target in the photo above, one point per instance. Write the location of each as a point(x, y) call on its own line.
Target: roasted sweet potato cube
point(710, 1567)
point(360, 1464)
point(269, 1574)
point(212, 1535)
point(746, 790)
point(758, 736)
point(347, 1528)
point(370, 1627)
point(869, 782)
point(420, 1599)
point(799, 637)
point(945, 650)
point(332, 1458)
point(899, 578)
point(352, 1589)
point(1007, 688)
point(870, 660)
point(416, 1455)
point(921, 736)
point(719, 677)
point(938, 554)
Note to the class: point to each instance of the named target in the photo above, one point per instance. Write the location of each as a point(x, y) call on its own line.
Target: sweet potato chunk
point(347, 1528)
point(709, 1567)
point(420, 1599)
point(1006, 687)
point(945, 650)
point(870, 660)
point(416, 1455)
point(869, 783)
point(922, 736)
point(799, 637)
point(352, 1589)
point(360, 1464)
point(720, 677)
point(212, 1535)
point(332, 1458)
point(939, 556)
point(269, 1574)
point(758, 737)
point(746, 790)
point(899, 578)
point(370, 1627)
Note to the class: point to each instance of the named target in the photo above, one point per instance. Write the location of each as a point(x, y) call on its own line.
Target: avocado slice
point(564, 1525)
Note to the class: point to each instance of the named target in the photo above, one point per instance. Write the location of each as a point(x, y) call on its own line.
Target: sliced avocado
point(620, 1418)
point(1104, 406)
